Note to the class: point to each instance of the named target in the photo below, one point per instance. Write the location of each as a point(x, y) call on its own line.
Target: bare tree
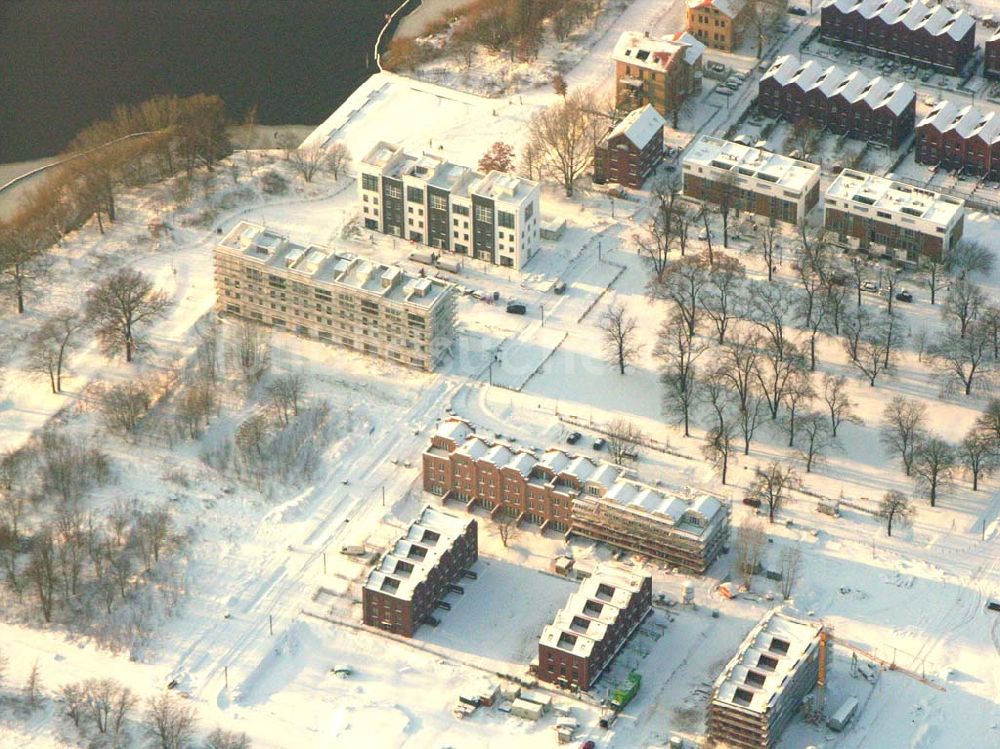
point(506, 525)
point(806, 133)
point(720, 441)
point(681, 284)
point(222, 739)
point(790, 566)
point(251, 352)
point(124, 405)
point(903, 425)
point(664, 205)
point(799, 394)
point(748, 550)
point(338, 158)
point(33, 687)
point(963, 304)
point(989, 421)
point(23, 262)
point(51, 345)
point(73, 699)
point(41, 571)
point(194, 408)
point(678, 351)
point(624, 439)
point(286, 394)
point(563, 136)
point(934, 277)
point(118, 308)
point(767, 237)
point(814, 438)
point(170, 722)
point(3, 666)
point(868, 341)
point(737, 366)
point(962, 358)
point(895, 508)
point(307, 161)
point(777, 373)
point(619, 333)
point(977, 454)
point(772, 486)
point(933, 461)
point(723, 297)
point(969, 257)
point(838, 402)
point(771, 309)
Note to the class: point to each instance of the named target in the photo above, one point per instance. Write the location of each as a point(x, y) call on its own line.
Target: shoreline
point(263, 139)
point(428, 12)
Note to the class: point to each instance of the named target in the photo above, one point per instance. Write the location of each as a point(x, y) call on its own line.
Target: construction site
point(783, 670)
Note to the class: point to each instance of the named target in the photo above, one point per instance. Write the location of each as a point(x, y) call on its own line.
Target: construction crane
point(827, 638)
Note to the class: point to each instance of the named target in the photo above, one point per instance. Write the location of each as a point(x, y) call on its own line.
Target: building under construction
point(764, 684)
point(574, 495)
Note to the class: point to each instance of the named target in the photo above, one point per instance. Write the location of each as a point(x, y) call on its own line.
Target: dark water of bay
point(66, 63)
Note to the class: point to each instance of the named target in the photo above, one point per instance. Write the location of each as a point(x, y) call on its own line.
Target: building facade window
point(369, 182)
point(505, 219)
point(484, 214)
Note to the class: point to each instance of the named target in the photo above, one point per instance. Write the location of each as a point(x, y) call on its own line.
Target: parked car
point(926, 76)
point(516, 308)
point(559, 287)
point(904, 296)
point(869, 286)
point(797, 11)
point(573, 438)
point(588, 744)
point(751, 501)
point(599, 443)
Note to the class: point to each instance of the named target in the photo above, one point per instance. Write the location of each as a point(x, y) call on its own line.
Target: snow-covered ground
point(271, 606)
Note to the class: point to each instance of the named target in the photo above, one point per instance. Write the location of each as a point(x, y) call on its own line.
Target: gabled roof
point(898, 97)
point(636, 48)
point(941, 116)
point(639, 126)
point(783, 69)
point(968, 121)
point(731, 8)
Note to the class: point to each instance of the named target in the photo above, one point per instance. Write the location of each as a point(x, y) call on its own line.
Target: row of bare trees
point(929, 459)
point(139, 144)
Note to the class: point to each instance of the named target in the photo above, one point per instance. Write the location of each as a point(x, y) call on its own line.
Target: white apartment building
point(426, 199)
point(335, 297)
point(892, 219)
point(751, 179)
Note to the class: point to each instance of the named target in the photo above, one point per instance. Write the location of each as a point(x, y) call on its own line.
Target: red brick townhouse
point(592, 627)
point(991, 62)
point(629, 151)
point(406, 585)
point(848, 103)
point(960, 137)
point(575, 495)
point(911, 31)
point(891, 219)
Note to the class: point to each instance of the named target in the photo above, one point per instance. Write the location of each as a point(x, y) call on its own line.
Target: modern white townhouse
point(493, 217)
point(751, 179)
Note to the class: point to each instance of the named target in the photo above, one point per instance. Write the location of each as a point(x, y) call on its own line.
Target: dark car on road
point(573, 438)
point(796, 11)
point(904, 296)
point(516, 308)
point(599, 443)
